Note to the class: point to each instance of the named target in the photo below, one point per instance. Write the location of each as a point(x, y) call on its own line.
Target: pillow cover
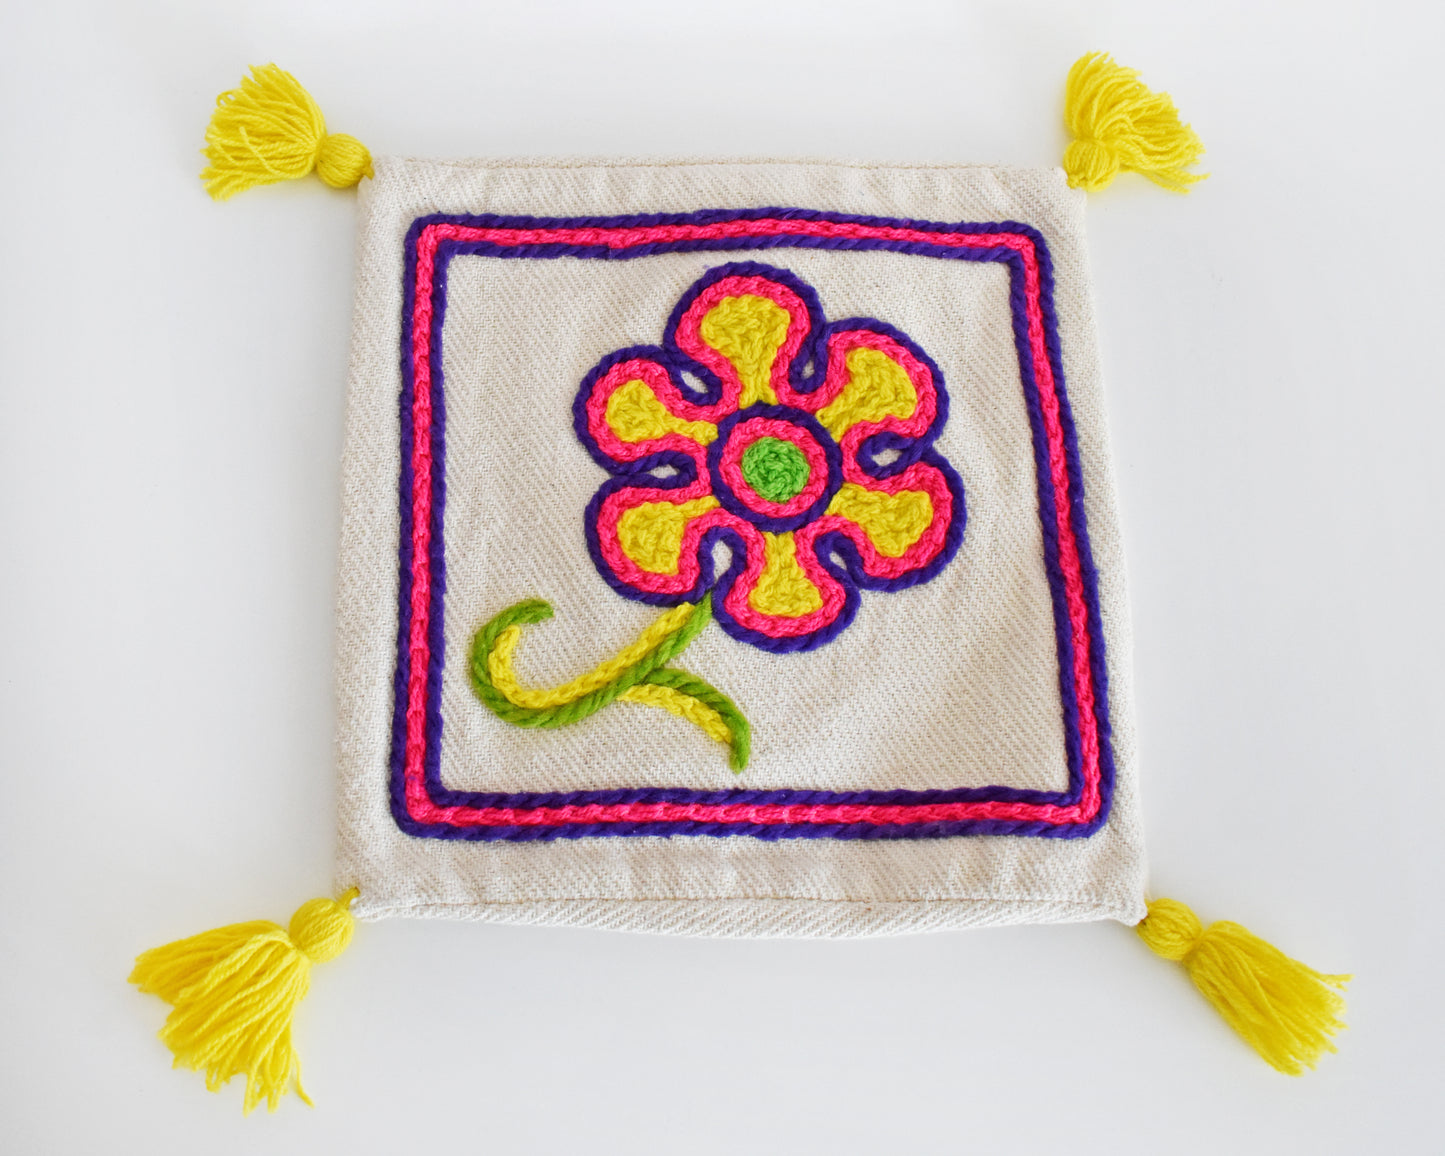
point(728, 548)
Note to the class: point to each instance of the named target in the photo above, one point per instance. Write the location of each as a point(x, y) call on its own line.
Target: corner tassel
point(1284, 1010)
point(234, 991)
point(270, 130)
point(1119, 125)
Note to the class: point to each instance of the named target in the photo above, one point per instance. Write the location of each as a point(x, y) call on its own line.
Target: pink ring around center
point(743, 435)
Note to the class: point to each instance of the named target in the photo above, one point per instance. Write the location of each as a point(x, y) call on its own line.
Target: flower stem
point(637, 674)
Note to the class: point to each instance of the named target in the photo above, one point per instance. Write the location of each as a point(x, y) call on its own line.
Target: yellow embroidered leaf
point(504, 676)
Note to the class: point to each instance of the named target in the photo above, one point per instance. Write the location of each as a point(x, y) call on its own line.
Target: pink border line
point(420, 805)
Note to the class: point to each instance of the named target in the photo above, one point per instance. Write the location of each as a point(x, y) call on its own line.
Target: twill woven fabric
point(955, 681)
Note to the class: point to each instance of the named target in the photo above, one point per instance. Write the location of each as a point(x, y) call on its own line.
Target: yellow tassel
point(234, 991)
point(1119, 125)
point(1285, 1011)
point(270, 130)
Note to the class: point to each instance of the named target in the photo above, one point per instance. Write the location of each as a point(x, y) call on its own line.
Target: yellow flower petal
point(878, 387)
point(748, 331)
point(893, 522)
point(651, 534)
point(783, 590)
point(636, 415)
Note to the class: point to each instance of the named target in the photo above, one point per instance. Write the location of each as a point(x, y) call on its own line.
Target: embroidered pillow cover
point(728, 548)
point(731, 548)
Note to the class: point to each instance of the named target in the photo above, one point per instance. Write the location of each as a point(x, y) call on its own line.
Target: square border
point(423, 806)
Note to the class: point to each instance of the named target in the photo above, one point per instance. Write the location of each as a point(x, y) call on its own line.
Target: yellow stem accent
point(684, 706)
point(234, 990)
point(1285, 1010)
point(270, 130)
point(504, 678)
point(1120, 125)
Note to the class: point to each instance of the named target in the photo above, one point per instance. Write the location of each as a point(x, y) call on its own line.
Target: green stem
point(650, 668)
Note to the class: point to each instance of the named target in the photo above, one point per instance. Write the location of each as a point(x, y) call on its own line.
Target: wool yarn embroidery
point(836, 490)
point(752, 336)
point(806, 454)
point(807, 450)
point(638, 675)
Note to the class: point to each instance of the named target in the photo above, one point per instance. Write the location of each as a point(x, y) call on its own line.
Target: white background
point(171, 375)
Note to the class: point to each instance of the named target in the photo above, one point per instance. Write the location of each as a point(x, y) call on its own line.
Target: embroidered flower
point(805, 446)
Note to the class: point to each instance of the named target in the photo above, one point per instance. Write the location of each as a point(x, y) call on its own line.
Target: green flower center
point(776, 469)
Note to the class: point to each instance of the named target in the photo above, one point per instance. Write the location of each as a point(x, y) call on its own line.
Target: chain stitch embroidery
point(636, 674)
point(421, 802)
point(765, 478)
point(798, 402)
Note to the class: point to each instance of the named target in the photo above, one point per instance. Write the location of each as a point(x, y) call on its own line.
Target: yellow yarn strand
point(504, 676)
point(1120, 125)
point(684, 706)
point(270, 130)
point(234, 990)
point(1286, 1011)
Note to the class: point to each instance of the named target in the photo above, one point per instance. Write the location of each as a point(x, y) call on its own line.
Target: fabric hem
point(646, 162)
point(765, 917)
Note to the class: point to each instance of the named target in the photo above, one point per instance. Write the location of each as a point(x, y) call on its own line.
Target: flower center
point(775, 469)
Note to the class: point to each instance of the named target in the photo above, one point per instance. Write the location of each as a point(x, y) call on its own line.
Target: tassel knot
point(1288, 1012)
point(1090, 165)
point(321, 929)
point(342, 160)
point(1171, 930)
